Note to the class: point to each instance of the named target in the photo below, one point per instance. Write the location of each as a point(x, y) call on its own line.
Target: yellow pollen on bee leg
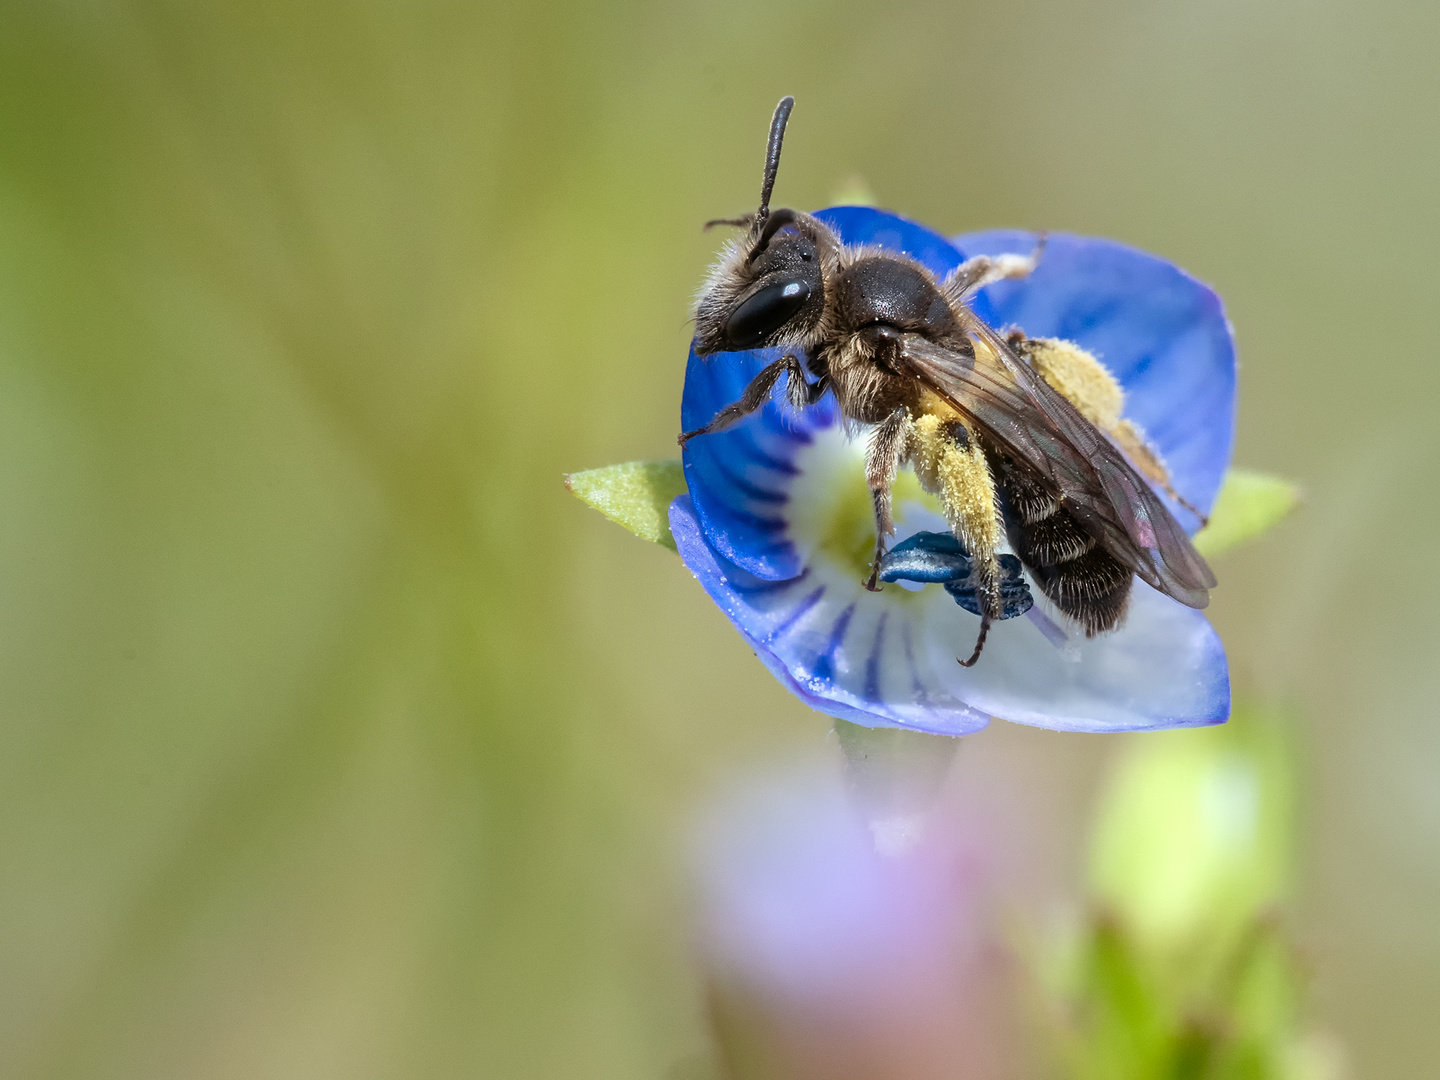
point(1141, 454)
point(926, 446)
point(1091, 388)
point(1081, 378)
point(960, 476)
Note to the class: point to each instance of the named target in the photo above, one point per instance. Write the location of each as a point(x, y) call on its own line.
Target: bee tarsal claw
point(979, 643)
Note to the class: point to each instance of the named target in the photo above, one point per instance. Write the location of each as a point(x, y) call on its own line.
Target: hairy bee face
point(754, 299)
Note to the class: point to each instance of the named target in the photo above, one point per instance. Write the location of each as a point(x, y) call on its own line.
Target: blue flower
point(777, 524)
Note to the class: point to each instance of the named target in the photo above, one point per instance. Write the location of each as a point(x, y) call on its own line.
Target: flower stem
point(894, 777)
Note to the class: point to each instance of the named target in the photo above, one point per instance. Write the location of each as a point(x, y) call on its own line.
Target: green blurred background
point(336, 740)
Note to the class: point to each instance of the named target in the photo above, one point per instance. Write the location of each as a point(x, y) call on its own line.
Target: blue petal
point(866, 225)
point(1161, 332)
point(764, 494)
point(888, 658)
point(739, 476)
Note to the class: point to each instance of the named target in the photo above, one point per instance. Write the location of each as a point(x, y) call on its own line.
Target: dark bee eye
point(765, 312)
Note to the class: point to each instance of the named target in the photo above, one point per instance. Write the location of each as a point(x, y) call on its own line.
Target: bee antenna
point(772, 153)
point(773, 224)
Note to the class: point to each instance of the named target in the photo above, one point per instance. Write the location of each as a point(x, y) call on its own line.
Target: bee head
point(767, 288)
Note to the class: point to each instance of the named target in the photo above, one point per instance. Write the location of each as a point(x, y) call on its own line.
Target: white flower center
point(830, 516)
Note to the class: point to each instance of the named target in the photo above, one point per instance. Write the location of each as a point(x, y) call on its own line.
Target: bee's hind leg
point(979, 643)
point(1094, 391)
point(799, 392)
point(888, 448)
point(1143, 456)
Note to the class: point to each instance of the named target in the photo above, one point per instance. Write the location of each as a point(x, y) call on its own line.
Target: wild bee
point(1021, 440)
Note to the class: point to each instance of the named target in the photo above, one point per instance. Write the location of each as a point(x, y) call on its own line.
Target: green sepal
point(636, 494)
point(1250, 503)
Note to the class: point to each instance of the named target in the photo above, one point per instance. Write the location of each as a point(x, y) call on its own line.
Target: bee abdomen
point(1052, 539)
point(1080, 578)
point(1031, 504)
point(1092, 589)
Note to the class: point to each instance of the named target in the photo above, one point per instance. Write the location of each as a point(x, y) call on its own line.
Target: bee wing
point(1016, 407)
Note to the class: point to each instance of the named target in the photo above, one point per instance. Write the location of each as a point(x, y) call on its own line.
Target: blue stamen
point(939, 558)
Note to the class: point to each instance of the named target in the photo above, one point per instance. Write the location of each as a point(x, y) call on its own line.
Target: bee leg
point(950, 462)
point(983, 270)
point(1087, 385)
point(757, 393)
point(800, 393)
point(880, 497)
point(992, 603)
point(888, 447)
point(979, 643)
point(1143, 456)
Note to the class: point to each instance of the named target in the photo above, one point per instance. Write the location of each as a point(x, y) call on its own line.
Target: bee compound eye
point(765, 312)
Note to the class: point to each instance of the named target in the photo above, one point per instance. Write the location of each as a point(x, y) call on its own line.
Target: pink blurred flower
point(829, 959)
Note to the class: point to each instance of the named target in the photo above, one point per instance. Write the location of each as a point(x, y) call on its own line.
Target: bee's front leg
point(799, 392)
point(888, 448)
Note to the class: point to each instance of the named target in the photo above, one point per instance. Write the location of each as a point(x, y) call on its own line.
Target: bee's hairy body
point(876, 299)
point(852, 317)
point(986, 495)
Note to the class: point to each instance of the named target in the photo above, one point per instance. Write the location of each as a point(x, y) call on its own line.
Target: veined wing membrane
point(1099, 487)
point(1128, 490)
